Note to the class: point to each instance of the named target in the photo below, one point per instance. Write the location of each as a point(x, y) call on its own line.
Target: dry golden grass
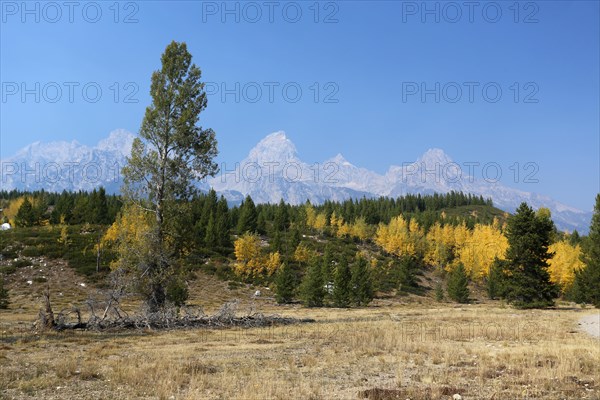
point(416, 352)
point(418, 349)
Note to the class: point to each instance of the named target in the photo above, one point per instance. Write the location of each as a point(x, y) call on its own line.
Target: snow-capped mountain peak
point(62, 165)
point(433, 157)
point(340, 160)
point(275, 147)
point(118, 140)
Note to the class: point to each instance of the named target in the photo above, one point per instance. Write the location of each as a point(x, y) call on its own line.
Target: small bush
point(177, 292)
point(22, 262)
point(33, 251)
point(439, 292)
point(7, 270)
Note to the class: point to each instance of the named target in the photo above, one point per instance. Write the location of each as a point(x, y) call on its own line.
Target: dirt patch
point(591, 324)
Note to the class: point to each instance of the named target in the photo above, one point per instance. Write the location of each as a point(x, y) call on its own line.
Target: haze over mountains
point(272, 171)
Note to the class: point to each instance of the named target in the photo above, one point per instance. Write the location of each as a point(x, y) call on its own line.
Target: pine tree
point(285, 284)
point(170, 155)
point(361, 283)
point(276, 242)
point(281, 221)
point(248, 218)
point(575, 238)
point(25, 216)
point(526, 273)
point(211, 238)
point(439, 292)
point(101, 209)
point(588, 280)
point(342, 284)
point(80, 214)
point(327, 266)
point(40, 207)
point(261, 222)
point(494, 283)
point(407, 273)
point(458, 284)
point(222, 231)
point(311, 289)
point(3, 295)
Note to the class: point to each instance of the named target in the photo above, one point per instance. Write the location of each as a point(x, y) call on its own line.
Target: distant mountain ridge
point(273, 171)
point(58, 166)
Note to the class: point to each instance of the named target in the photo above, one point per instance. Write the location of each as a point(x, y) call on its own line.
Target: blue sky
point(371, 58)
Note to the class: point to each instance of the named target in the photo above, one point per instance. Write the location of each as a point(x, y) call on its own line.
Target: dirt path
point(591, 324)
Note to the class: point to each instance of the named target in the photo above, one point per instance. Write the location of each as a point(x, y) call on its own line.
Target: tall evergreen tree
point(458, 284)
point(223, 224)
point(293, 241)
point(285, 284)
point(326, 263)
point(261, 222)
point(311, 289)
point(170, 154)
point(361, 283)
point(277, 242)
point(211, 237)
point(25, 216)
point(495, 279)
point(526, 276)
point(281, 221)
point(407, 273)
point(101, 210)
point(588, 280)
point(248, 217)
point(342, 289)
point(81, 210)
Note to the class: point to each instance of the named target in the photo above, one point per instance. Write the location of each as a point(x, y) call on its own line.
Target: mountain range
point(273, 171)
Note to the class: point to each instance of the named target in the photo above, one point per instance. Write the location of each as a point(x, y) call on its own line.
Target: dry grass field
point(406, 348)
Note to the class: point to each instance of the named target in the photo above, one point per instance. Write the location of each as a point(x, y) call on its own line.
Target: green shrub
point(33, 251)
point(439, 292)
point(21, 262)
point(7, 270)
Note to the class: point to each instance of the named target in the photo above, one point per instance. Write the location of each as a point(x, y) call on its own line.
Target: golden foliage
point(303, 253)
point(565, 262)
point(401, 238)
point(441, 243)
point(360, 229)
point(483, 245)
point(130, 235)
point(476, 249)
point(315, 220)
point(251, 262)
point(13, 207)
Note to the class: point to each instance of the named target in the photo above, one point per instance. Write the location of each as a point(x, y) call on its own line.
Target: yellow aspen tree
point(320, 222)
point(343, 229)
point(484, 245)
point(334, 223)
point(303, 253)
point(436, 253)
point(250, 260)
point(360, 229)
point(399, 237)
point(272, 263)
point(565, 262)
point(311, 215)
point(129, 235)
